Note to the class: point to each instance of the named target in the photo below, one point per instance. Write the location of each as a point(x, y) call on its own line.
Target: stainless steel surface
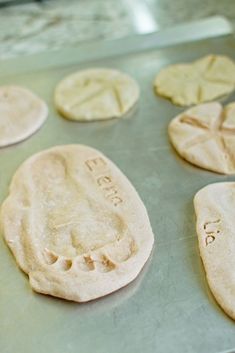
point(169, 308)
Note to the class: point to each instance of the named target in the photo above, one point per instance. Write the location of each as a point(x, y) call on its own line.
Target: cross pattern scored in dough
point(75, 224)
point(201, 81)
point(96, 94)
point(205, 136)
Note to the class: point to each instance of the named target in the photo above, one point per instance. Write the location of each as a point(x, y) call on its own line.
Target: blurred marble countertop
point(54, 24)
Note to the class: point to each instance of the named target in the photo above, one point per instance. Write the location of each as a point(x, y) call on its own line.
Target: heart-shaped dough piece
point(203, 80)
point(75, 224)
point(214, 207)
point(96, 94)
point(205, 136)
point(21, 114)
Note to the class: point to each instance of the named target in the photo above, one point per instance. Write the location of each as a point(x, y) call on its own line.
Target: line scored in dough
point(96, 94)
point(21, 114)
point(214, 206)
point(203, 80)
point(205, 136)
point(75, 224)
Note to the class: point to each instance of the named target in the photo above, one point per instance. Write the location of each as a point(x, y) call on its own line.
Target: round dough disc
point(214, 207)
point(96, 94)
point(75, 224)
point(21, 114)
point(205, 136)
point(203, 80)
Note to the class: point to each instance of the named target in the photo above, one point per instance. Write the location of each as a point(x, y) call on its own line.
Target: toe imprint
point(86, 232)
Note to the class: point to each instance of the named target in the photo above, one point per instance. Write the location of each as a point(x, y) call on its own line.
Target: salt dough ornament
point(75, 224)
point(205, 136)
point(203, 80)
point(21, 114)
point(96, 94)
point(214, 207)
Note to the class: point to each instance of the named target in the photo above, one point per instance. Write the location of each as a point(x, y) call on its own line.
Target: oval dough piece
point(75, 224)
point(21, 114)
point(96, 94)
point(205, 136)
point(214, 207)
point(201, 81)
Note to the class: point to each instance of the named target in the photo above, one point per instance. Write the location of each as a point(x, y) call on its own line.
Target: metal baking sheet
point(169, 308)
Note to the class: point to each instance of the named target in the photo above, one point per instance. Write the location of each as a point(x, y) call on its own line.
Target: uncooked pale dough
point(21, 114)
point(75, 224)
point(201, 81)
point(205, 136)
point(214, 206)
point(96, 94)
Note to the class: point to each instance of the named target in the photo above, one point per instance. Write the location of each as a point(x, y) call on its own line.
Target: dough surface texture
point(205, 136)
point(21, 114)
point(204, 80)
point(96, 94)
point(75, 224)
point(214, 207)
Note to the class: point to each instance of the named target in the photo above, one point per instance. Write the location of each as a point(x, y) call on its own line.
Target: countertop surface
point(54, 24)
